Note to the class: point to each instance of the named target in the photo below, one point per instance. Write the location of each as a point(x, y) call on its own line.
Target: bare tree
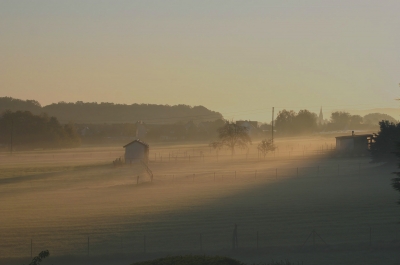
point(217, 146)
point(266, 146)
point(233, 135)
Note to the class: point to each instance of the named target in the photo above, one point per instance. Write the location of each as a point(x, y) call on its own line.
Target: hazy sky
point(237, 57)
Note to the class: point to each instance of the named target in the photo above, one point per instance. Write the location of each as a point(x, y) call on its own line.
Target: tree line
point(290, 123)
point(105, 112)
point(23, 130)
point(178, 131)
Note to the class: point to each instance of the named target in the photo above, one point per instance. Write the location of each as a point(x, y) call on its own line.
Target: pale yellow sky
point(237, 57)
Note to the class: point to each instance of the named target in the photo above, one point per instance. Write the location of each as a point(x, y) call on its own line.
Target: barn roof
point(138, 141)
point(354, 136)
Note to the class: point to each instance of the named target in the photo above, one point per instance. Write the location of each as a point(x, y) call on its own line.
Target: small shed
point(357, 144)
point(136, 151)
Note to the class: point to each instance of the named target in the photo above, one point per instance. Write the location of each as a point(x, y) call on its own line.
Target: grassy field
point(60, 199)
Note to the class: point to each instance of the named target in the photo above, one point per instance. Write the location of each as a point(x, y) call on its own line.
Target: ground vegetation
point(40, 257)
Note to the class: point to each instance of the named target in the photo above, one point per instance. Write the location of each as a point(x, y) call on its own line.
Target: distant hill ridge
point(85, 112)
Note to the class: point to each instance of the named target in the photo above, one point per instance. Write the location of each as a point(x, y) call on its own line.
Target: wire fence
point(211, 235)
point(214, 233)
point(202, 154)
point(335, 170)
point(212, 240)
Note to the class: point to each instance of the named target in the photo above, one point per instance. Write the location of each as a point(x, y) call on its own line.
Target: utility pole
point(272, 124)
point(11, 138)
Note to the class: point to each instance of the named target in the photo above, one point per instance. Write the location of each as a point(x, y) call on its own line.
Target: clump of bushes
point(119, 162)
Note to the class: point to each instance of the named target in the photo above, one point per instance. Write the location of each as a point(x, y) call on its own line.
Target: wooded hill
point(85, 112)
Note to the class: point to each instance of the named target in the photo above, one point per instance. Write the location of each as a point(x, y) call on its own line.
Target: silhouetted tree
point(217, 146)
point(36, 131)
point(232, 135)
point(105, 112)
point(375, 118)
point(340, 119)
point(284, 121)
point(396, 180)
point(292, 123)
point(13, 104)
point(265, 147)
point(305, 122)
point(384, 143)
point(356, 121)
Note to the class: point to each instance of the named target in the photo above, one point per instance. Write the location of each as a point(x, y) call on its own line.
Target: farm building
point(357, 144)
point(136, 151)
point(252, 127)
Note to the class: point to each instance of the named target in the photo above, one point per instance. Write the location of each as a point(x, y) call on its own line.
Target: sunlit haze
point(240, 58)
point(201, 132)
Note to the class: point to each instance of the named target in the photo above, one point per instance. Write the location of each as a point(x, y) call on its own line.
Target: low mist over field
point(62, 199)
point(261, 132)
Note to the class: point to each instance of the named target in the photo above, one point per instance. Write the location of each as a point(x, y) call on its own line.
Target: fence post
point(257, 240)
point(313, 237)
point(234, 239)
point(370, 236)
point(201, 243)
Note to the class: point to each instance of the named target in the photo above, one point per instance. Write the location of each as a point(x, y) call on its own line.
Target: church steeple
point(320, 117)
